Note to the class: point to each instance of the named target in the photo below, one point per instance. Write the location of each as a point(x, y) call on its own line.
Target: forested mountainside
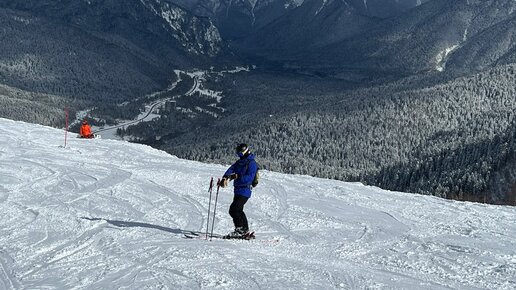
point(96, 53)
point(236, 19)
point(455, 139)
point(461, 36)
point(240, 18)
point(408, 95)
point(47, 57)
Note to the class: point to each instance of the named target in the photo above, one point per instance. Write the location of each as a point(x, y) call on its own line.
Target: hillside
point(110, 214)
point(408, 95)
point(454, 139)
point(241, 18)
point(338, 39)
point(99, 53)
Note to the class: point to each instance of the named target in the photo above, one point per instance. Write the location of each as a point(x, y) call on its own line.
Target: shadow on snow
point(125, 224)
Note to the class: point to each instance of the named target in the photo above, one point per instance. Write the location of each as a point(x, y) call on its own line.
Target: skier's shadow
point(125, 224)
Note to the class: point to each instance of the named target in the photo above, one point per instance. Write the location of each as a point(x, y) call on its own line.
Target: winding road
point(150, 109)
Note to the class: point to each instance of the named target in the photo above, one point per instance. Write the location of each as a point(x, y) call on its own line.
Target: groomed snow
point(106, 214)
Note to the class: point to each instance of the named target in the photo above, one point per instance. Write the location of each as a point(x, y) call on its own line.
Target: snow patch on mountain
point(293, 4)
point(443, 56)
point(323, 5)
point(24, 20)
point(199, 80)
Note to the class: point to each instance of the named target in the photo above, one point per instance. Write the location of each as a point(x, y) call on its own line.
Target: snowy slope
point(105, 214)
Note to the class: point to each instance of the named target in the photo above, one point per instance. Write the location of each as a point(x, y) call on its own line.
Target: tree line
point(452, 139)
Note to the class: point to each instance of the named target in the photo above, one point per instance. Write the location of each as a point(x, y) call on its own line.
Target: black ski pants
point(236, 211)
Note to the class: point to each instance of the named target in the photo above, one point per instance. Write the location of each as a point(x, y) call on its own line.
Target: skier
point(85, 131)
point(242, 172)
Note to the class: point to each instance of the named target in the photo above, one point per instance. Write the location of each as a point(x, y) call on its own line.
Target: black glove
point(233, 176)
point(223, 182)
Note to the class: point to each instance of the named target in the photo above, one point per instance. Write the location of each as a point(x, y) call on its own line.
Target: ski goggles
point(241, 151)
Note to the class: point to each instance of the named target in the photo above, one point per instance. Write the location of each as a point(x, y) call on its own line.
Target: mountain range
point(239, 18)
point(464, 36)
point(394, 93)
point(101, 49)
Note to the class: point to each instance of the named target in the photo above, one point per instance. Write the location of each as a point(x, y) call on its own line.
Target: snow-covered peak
point(105, 214)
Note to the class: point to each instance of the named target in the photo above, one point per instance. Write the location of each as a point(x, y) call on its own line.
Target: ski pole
point(66, 128)
point(215, 208)
point(210, 190)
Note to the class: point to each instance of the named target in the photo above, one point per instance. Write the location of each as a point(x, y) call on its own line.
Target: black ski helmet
point(242, 148)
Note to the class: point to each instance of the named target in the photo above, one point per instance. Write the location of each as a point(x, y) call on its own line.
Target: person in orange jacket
point(85, 131)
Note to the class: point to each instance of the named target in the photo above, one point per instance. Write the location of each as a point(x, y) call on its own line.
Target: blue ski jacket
point(246, 169)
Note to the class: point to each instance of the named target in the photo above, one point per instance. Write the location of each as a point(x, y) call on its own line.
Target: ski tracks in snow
point(101, 213)
point(7, 276)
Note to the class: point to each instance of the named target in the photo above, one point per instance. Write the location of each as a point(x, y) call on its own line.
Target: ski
point(199, 235)
point(248, 236)
point(210, 190)
point(202, 236)
point(191, 235)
